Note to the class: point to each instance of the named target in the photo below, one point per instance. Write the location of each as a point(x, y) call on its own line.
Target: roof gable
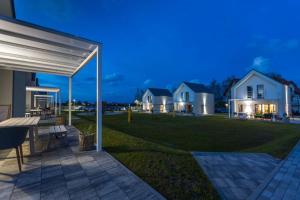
point(254, 72)
point(197, 88)
point(160, 92)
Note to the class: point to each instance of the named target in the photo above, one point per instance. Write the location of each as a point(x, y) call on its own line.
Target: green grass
point(157, 147)
point(211, 133)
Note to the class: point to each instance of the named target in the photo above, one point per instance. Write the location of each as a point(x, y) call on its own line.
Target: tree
point(216, 89)
point(139, 94)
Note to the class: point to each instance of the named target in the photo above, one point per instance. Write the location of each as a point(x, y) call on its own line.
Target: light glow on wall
point(248, 108)
point(286, 100)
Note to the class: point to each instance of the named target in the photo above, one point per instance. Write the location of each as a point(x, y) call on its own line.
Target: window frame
point(248, 96)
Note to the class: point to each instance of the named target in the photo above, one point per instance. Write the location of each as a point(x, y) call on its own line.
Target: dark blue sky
point(160, 43)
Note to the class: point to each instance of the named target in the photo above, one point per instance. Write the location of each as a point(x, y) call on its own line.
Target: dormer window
point(260, 92)
point(249, 92)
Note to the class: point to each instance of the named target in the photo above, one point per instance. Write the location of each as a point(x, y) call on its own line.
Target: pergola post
point(70, 101)
point(55, 105)
point(59, 109)
point(99, 102)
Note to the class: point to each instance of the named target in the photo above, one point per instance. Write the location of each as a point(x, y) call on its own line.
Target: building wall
point(204, 104)
point(19, 94)
point(183, 88)
point(273, 91)
point(157, 102)
point(7, 8)
point(6, 87)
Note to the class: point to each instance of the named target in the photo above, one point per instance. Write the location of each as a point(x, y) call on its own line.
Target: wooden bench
point(58, 130)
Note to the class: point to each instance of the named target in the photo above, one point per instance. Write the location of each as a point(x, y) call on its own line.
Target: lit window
point(260, 91)
point(249, 92)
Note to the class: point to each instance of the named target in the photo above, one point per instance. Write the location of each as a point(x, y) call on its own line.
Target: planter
point(86, 142)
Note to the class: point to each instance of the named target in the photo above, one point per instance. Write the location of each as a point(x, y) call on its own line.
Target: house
point(194, 98)
point(258, 94)
point(157, 100)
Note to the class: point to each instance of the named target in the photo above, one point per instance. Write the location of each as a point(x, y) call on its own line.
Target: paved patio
point(285, 180)
point(236, 175)
point(65, 173)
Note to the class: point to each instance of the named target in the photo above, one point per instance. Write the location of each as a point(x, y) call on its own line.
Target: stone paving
point(236, 175)
point(66, 173)
point(285, 182)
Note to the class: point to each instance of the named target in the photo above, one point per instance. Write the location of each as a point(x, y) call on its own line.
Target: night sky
point(159, 43)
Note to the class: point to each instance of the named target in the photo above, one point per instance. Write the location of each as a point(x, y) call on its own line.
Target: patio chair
point(14, 137)
point(5, 112)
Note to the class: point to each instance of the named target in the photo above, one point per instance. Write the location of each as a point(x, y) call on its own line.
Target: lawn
point(157, 147)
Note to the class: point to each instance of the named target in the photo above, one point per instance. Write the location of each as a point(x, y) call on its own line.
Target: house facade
point(157, 100)
point(13, 83)
point(258, 94)
point(193, 98)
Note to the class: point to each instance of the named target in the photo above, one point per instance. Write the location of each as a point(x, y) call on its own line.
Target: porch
point(61, 171)
point(253, 108)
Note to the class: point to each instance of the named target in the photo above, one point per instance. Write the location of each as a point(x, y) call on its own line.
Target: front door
point(188, 108)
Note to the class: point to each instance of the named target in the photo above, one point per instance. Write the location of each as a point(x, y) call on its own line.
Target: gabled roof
point(160, 92)
point(196, 87)
point(277, 79)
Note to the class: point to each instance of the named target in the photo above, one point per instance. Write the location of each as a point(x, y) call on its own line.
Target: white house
point(194, 98)
point(157, 100)
point(257, 94)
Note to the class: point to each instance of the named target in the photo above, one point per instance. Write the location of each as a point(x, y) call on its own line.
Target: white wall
point(157, 101)
point(183, 88)
point(204, 104)
point(273, 91)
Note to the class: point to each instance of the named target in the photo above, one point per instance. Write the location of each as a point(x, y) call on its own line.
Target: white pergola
point(30, 48)
point(56, 91)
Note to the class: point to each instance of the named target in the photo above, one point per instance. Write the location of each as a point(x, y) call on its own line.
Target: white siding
point(202, 103)
point(274, 92)
point(158, 102)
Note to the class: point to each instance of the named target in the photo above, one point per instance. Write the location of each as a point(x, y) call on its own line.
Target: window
point(149, 99)
point(249, 92)
point(260, 91)
point(182, 97)
point(187, 96)
point(241, 108)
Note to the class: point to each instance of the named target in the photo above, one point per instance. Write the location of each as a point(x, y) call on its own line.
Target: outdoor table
point(30, 122)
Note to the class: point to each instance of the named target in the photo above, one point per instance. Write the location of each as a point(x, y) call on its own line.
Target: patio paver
point(285, 182)
point(236, 175)
point(66, 173)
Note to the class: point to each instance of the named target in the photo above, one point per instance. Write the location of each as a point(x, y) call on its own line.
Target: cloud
point(147, 82)
point(113, 79)
point(260, 63)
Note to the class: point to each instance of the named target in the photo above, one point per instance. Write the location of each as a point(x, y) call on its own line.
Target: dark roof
point(196, 87)
point(160, 92)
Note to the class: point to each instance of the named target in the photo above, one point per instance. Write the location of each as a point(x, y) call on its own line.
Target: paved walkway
point(236, 175)
point(284, 182)
point(66, 173)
